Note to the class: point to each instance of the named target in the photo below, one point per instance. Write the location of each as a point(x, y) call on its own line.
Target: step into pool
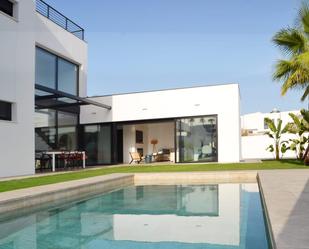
point(215, 216)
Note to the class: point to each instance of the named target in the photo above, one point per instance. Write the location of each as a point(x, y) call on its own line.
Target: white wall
point(164, 133)
point(17, 86)
point(254, 147)
point(255, 121)
point(223, 100)
point(19, 37)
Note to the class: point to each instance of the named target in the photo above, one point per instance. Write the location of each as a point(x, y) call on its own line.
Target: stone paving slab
point(41, 196)
point(168, 178)
point(286, 194)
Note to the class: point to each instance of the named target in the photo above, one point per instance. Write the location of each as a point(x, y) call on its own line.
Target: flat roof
point(161, 90)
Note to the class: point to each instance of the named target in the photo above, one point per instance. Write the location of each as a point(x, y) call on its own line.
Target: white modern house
point(43, 103)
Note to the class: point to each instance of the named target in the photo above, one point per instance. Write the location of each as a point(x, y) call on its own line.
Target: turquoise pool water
point(217, 216)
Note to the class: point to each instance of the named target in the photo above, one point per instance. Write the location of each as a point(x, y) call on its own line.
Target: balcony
point(59, 19)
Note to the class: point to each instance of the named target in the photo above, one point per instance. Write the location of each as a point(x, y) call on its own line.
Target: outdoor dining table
point(54, 153)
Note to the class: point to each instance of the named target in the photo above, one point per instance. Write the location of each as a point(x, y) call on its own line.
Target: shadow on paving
point(294, 234)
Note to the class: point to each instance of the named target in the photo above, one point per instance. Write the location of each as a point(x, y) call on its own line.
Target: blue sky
point(141, 45)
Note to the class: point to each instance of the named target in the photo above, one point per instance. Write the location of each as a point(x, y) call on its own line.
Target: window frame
point(57, 70)
point(12, 12)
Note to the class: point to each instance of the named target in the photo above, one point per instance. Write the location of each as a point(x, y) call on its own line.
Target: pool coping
point(40, 197)
point(266, 214)
point(70, 191)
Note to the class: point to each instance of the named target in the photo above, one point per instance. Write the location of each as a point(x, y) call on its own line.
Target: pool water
point(217, 216)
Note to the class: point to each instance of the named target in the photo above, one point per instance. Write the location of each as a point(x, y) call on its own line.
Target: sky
point(138, 45)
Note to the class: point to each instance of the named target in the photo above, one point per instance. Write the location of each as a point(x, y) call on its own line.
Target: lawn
point(50, 179)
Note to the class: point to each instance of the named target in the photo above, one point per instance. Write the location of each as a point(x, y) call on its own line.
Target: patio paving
point(286, 193)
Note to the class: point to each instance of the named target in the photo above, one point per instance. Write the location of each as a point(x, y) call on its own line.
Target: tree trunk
point(305, 156)
point(306, 151)
point(277, 151)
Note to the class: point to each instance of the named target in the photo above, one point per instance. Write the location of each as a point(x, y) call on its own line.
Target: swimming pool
point(215, 216)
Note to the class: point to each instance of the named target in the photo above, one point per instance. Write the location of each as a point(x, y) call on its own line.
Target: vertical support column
point(114, 149)
point(53, 162)
point(84, 159)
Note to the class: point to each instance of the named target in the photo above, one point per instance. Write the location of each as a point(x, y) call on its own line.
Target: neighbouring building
point(44, 104)
point(253, 139)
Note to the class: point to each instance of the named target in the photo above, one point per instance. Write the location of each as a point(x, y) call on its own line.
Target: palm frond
point(296, 119)
point(291, 41)
point(303, 16)
point(305, 94)
point(305, 115)
point(292, 128)
point(270, 148)
point(279, 131)
point(270, 123)
point(283, 69)
point(298, 79)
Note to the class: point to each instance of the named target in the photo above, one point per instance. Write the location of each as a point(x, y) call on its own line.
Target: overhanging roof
point(55, 99)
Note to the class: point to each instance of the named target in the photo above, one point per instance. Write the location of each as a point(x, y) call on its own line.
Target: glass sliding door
point(196, 139)
point(45, 130)
point(67, 131)
point(97, 142)
point(55, 130)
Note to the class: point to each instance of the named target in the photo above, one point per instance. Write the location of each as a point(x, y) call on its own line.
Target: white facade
point(254, 123)
point(254, 141)
point(19, 37)
point(220, 100)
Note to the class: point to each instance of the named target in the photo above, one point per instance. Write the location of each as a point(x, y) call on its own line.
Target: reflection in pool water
point(147, 217)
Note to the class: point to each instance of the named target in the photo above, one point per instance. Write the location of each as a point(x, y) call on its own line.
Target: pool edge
point(70, 191)
point(266, 214)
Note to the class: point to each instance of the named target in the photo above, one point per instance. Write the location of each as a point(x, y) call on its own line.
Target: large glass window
point(67, 132)
point(67, 119)
point(45, 130)
point(55, 72)
point(67, 138)
point(55, 130)
point(45, 138)
point(97, 140)
point(67, 77)
point(45, 118)
point(45, 69)
point(196, 139)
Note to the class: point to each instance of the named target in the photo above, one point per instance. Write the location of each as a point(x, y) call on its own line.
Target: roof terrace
point(55, 16)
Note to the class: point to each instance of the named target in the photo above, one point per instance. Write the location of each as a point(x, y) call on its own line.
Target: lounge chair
point(136, 157)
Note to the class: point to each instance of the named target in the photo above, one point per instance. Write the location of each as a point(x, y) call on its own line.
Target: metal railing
point(58, 18)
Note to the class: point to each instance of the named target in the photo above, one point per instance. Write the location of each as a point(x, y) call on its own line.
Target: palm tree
point(294, 42)
point(275, 133)
point(305, 124)
point(299, 127)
